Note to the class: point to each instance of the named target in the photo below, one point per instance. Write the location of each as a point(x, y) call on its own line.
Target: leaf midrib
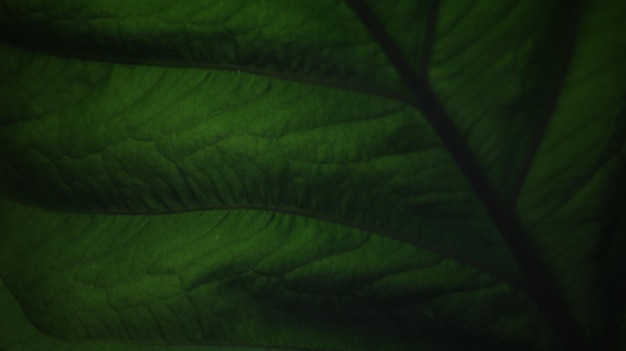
point(539, 285)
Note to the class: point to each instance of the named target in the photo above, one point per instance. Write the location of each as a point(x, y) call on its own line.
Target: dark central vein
point(539, 285)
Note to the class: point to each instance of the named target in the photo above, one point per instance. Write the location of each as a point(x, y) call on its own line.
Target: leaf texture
point(326, 175)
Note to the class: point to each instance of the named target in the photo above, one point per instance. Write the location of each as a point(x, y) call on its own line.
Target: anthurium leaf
point(329, 183)
point(335, 160)
point(321, 176)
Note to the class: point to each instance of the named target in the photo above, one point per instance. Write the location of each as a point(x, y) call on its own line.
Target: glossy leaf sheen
point(282, 175)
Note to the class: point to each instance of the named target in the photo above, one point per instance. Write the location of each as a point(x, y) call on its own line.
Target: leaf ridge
point(350, 223)
point(300, 78)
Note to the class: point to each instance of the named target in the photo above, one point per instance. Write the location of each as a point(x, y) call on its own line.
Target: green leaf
point(283, 175)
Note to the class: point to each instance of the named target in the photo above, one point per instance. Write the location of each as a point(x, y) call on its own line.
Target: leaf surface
point(317, 176)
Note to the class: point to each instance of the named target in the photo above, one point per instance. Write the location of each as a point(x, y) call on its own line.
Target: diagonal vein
point(538, 283)
point(564, 33)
